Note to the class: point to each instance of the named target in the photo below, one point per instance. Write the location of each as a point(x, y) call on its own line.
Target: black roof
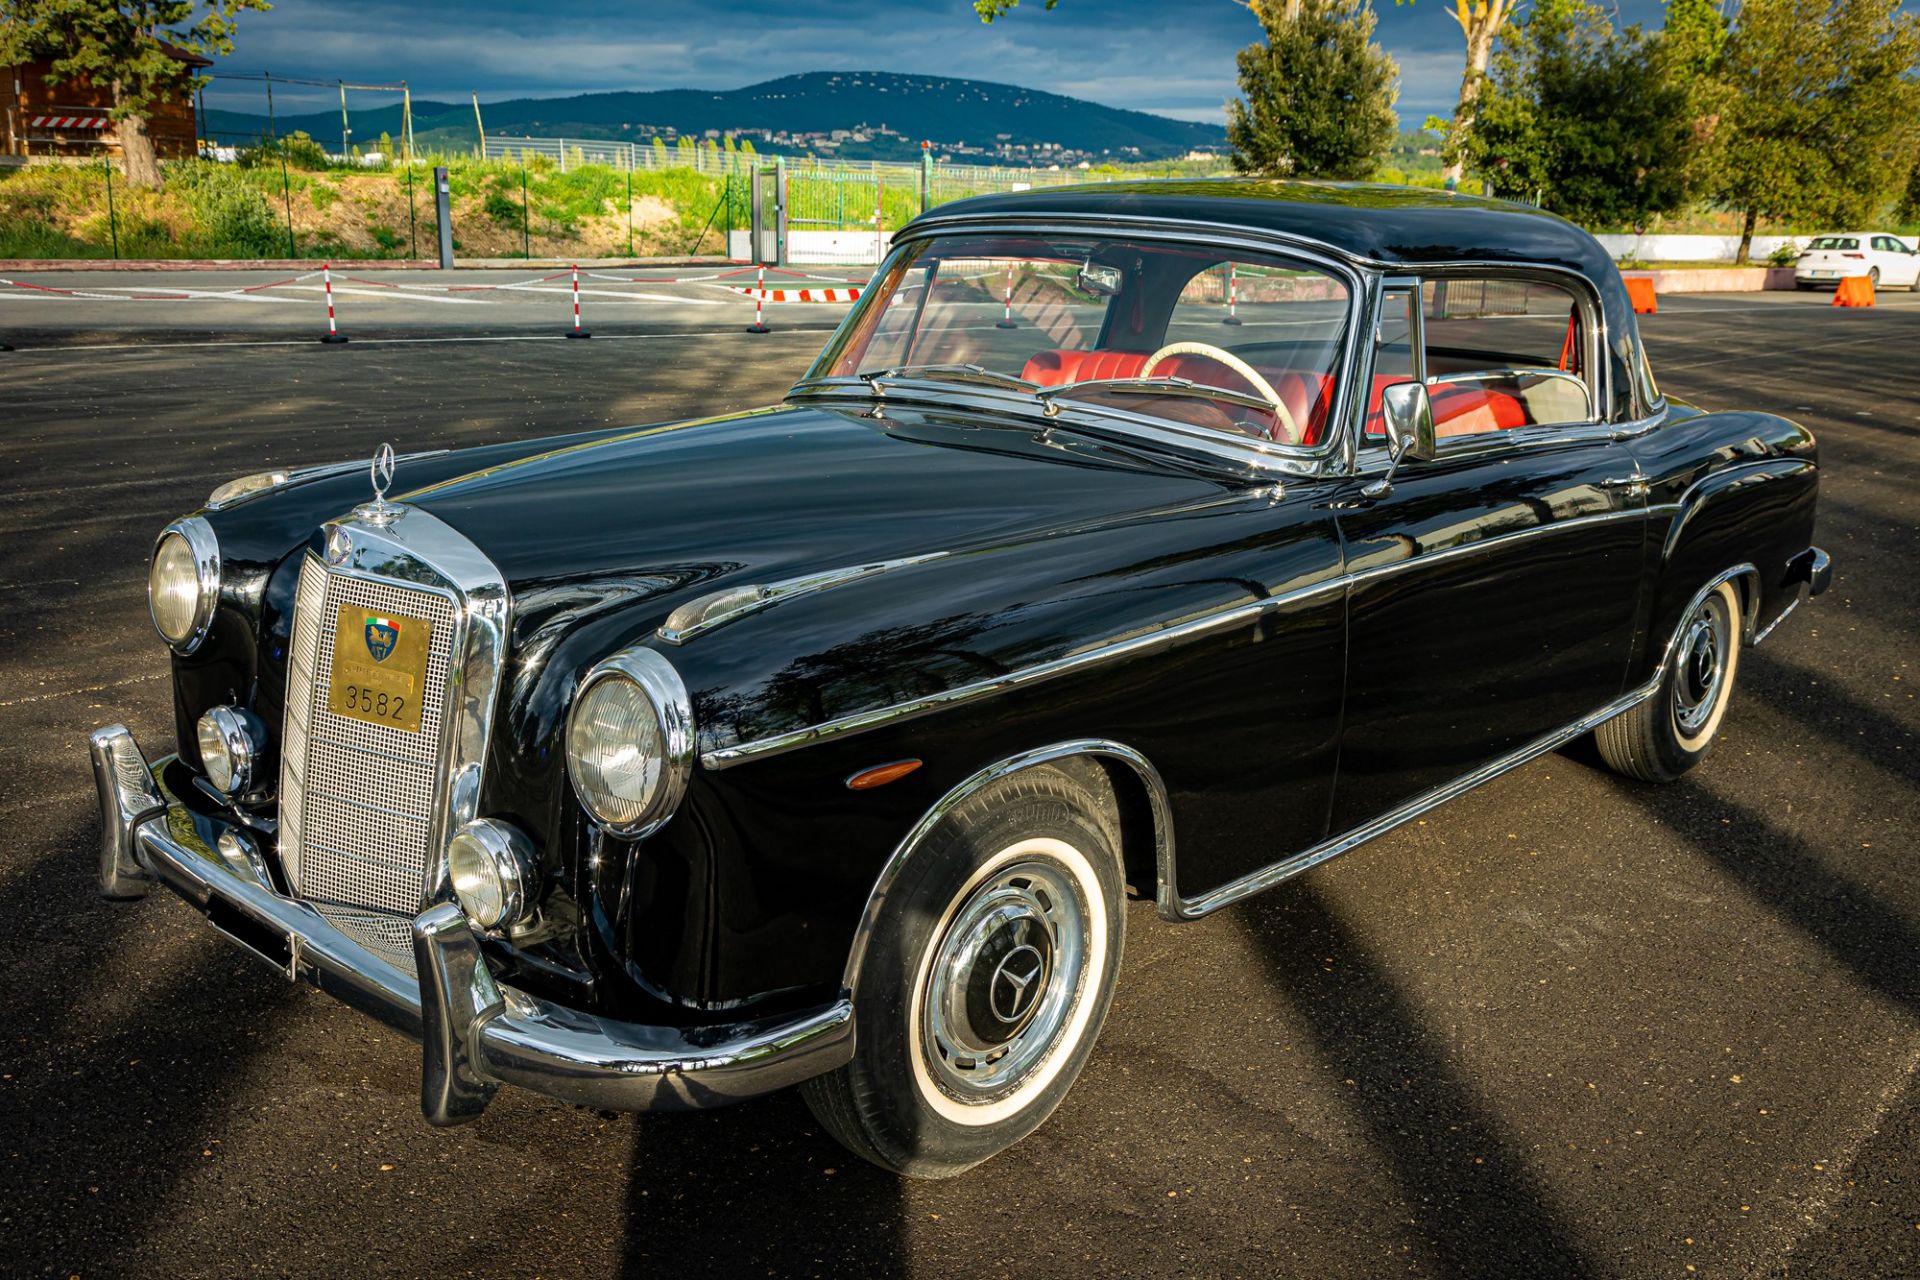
point(1383, 224)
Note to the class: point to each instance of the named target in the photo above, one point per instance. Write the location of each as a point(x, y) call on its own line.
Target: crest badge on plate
point(382, 635)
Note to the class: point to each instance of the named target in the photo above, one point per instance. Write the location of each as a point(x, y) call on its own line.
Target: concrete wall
point(843, 248)
point(1664, 248)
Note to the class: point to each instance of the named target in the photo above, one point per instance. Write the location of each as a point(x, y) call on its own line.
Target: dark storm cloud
point(1174, 57)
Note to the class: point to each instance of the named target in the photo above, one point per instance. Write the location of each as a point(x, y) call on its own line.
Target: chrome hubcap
point(1701, 666)
point(1004, 979)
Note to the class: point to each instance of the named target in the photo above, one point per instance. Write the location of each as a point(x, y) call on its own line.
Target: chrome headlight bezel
point(502, 853)
point(204, 550)
point(656, 682)
point(238, 737)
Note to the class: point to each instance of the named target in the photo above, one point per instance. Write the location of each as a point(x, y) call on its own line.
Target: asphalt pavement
point(1568, 1025)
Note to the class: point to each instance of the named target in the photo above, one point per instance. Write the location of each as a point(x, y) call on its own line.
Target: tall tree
point(1586, 119)
point(1318, 94)
point(1822, 110)
point(124, 45)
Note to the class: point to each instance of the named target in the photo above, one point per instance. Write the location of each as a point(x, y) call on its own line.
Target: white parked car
point(1887, 260)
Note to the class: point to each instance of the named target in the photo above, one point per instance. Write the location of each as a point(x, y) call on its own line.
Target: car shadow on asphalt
point(1473, 1202)
point(101, 1119)
point(1872, 938)
point(701, 1184)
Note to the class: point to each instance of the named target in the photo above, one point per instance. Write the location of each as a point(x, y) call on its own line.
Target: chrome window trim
point(718, 756)
point(660, 683)
point(1371, 454)
point(205, 546)
point(418, 552)
point(1255, 455)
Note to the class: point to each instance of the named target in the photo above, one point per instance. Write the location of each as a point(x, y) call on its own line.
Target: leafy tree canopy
point(1317, 94)
point(1822, 110)
point(121, 43)
point(1584, 119)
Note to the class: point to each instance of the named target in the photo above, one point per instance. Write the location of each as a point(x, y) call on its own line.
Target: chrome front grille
point(359, 802)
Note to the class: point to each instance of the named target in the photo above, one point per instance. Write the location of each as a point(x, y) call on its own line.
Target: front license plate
point(379, 667)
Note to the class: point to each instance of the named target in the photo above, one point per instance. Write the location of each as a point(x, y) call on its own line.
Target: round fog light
point(492, 868)
point(230, 741)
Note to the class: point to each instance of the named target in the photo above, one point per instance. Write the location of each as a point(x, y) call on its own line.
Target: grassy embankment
point(210, 210)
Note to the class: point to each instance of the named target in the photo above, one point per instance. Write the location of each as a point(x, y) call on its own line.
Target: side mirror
point(1408, 411)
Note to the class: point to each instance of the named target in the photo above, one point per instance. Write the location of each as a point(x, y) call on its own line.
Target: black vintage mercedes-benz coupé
point(820, 745)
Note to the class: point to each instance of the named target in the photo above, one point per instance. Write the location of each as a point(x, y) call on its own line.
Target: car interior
point(1084, 317)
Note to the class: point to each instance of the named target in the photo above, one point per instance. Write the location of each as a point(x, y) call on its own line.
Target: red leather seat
point(1056, 368)
point(1459, 409)
point(1307, 396)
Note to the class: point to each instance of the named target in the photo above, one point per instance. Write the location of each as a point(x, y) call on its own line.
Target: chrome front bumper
point(475, 1033)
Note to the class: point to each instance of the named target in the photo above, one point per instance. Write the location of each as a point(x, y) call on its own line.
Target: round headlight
point(230, 742)
point(184, 582)
point(492, 868)
point(630, 742)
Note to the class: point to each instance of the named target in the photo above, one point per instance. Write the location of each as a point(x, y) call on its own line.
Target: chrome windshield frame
point(1253, 458)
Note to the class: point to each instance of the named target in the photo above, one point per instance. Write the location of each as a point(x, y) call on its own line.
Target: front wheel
point(985, 981)
point(1675, 729)
point(1873, 277)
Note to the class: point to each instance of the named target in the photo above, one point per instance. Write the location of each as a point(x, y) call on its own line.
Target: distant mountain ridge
point(855, 114)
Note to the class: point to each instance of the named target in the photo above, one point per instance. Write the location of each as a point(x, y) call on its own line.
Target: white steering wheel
point(1285, 429)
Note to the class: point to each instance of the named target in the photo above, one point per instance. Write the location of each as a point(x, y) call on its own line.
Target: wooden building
point(70, 118)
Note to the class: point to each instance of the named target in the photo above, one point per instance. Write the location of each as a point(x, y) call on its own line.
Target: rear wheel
point(984, 983)
point(1873, 276)
point(1675, 729)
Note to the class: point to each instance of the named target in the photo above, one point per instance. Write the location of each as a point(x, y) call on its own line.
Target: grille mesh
point(357, 799)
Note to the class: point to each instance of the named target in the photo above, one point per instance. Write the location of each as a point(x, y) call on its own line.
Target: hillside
point(877, 115)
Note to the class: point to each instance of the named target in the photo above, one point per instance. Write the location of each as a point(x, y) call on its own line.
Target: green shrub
point(1785, 255)
point(502, 209)
point(323, 196)
point(233, 213)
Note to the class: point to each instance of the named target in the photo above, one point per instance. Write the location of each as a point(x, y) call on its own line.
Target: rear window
point(1833, 242)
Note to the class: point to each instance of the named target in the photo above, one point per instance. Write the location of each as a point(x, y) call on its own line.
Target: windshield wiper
point(1158, 387)
point(948, 372)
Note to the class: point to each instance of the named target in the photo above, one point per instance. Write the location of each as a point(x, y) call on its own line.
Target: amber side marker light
point(881, 774)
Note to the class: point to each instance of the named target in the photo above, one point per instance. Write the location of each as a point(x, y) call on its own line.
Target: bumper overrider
point(475, 1033)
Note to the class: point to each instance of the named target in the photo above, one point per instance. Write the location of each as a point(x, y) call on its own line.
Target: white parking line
point(388, 293)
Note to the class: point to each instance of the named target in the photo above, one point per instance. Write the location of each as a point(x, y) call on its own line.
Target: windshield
point(1245, 344)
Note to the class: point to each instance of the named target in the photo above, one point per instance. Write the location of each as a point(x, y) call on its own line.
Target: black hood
point(667, 513)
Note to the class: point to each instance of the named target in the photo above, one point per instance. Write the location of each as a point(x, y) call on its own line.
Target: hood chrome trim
point(716, 609)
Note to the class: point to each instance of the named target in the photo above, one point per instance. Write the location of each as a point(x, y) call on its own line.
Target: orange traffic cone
point(1854, 291)
point(1640, 293)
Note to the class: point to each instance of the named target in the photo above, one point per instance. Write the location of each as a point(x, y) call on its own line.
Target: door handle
point(1634, 486)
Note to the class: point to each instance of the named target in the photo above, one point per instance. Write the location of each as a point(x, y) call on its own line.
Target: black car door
point(1493, 590)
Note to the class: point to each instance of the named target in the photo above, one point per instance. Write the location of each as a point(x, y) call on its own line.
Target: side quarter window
point(1503, 353)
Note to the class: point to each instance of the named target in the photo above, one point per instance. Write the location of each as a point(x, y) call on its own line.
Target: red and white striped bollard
point(1006, 317)
point(1233, 296)
point(577, 331)
point(759, 298)
point(333, 334)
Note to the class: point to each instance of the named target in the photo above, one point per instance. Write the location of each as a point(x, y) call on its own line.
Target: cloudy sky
point(1174, 57)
